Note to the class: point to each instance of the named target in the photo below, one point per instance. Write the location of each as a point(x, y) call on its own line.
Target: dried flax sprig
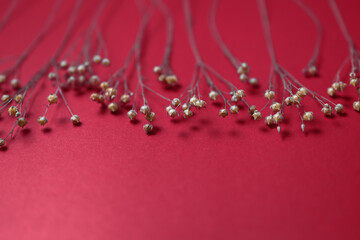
point(18, 99)
point(193, 98)
point(118, 81)
point(293, 91)
point(242, 68)
point(164, 71)
point(354, 58)
point(311, 70)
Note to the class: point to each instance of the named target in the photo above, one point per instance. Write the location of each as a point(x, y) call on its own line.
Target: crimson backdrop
point(204, 178)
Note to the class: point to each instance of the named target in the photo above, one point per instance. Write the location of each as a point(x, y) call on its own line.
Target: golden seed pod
point(145, 109)
point(234, 109)
point(269, 120)
point(276, 107)
point(336, 86)
point(148, 128)
point(342, 86)
point(243, 77)
point(269, 94)
point(125, 98)
point(42, 121)
point(2, 78)
point(172, 113)
point(185, 106)
point(94, 97)
point(15, 83)
point(157, 70)
point(278, 117)
point(168, 108)
point(71, 70)
point(161, 78)
point(312, 70)
point(331, 91)
point(296, 99)
point(223, 113)
point(354, 82)
point(21, 122)
point(150, 116)
point(326, 110)
point(193, 101)
point(339, 108)
point(113, 107)
point(187, 113)
point(52, 76)
point(104, 85)
point(5, 98)
point(308, 116)
point(234, 98)
point(254, 81)
point(63, 64)
point(356, 106)
point(52, 98)
point(243, 68)
point(101, 99)
point(110, 93)
point(94, 80)
point(13, 111)
point(256, 115)
point(200, 103)
point(252, 109)
point(18, 98)
point(176, 102)
point(105, 62)
point(302, 92)
point(171, 79)
point(96, 59)
point(132, 114)
point(213, 95)
point(289, 101)
point(81, 69)
point(75, 119)
point(240, 94)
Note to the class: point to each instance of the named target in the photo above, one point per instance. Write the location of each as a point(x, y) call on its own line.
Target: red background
point(204, 178)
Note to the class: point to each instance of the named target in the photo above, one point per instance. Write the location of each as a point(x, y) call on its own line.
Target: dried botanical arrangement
point(354, 58)
point(192, 98)
point(292, 91)
point(80, 57)
point(19, 99)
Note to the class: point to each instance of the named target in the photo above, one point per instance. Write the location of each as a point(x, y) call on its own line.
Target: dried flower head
point(75, 119)
point(13, 110)
point(113, 107)
point(148, 128)
point(52, 98)
point(132, 114)
point(356, 106)
point(125, 98)
point(176, 102)
point(21, 122)
point(145, 109)
point(42, 120)
point(308, 116)
point(223, 113)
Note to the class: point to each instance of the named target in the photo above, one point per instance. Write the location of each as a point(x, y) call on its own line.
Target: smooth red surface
point(204, 178)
